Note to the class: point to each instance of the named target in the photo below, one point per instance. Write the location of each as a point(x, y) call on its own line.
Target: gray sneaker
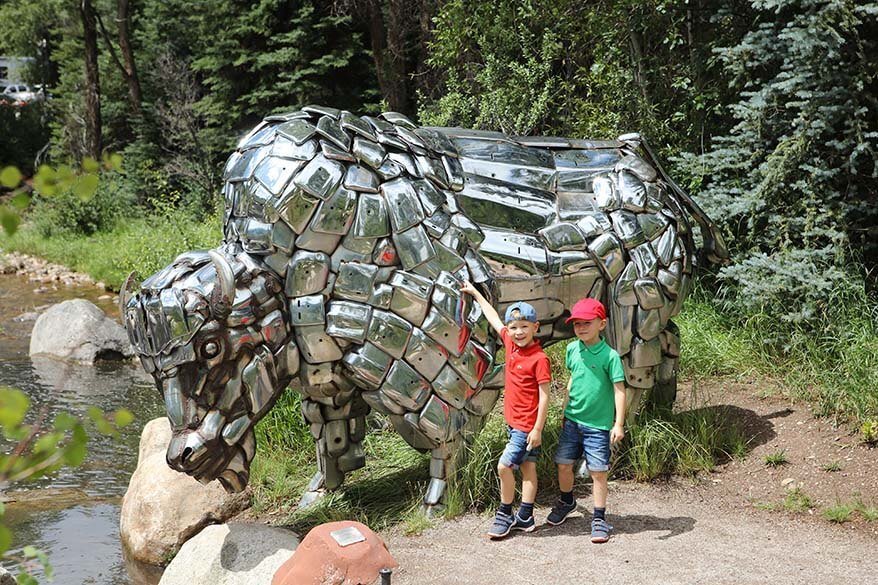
point(600, 530)
point(501, 526)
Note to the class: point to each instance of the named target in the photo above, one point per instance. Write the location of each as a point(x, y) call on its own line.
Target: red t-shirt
point(526, 368)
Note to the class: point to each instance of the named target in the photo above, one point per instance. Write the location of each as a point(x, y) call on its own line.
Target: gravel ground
point(661, 535)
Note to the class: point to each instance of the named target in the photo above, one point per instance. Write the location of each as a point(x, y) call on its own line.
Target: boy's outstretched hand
point(467, 287)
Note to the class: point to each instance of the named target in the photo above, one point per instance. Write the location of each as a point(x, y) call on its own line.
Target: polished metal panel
point(348, 320)
point(403, 205)
point(483, 402)
point(336, 214)
point(625, 226)
point(329, 128)
point(405, 386)
point(315, 345)
point(275, 173)
point(307, 311)
point(605, 194)
point(653, 224)
point(356, 125)
point(452, 387)
point(664, 246)
point(610, 255)
point(455, 173)
point(359, 178)
point(624, 288)
point(411, 296)
point(298, 131)
point(437, 419)
point(381, 296)
point(296, 207)
point(307, 273)
point(426, 356)
point(389, 332)
point(284, 148)
point(645, 353)
point(649, 293)
point(632, 191)
point(563, 236)
point(390, 169)
point(413, 246)
point(434, 170)
point(648, 323)
point(638, 166)
point(670, 278)
point(619, 330)
point(320, 176)
point(594, 224)
point(371, 219)
point(509, 253)
point(644, 259)
point(367, 365)
point(368, 152)
point(472, 364)
point(355, 281)
point(445, 332)
point(317, 241)
point(333, 152)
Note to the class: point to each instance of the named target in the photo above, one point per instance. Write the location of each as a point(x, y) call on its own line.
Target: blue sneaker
point(559, 512)
point(524, 525)
point(501, 526)
point(600, 530)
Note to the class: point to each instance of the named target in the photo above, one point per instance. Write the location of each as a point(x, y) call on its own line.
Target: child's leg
point(565, 477)
point(528, 482)
point(507, 485)
point(599, 489)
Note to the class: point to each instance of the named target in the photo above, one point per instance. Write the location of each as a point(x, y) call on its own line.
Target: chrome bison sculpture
point(346, 240)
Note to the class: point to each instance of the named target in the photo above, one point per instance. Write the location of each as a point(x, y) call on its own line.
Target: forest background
point(764, 109)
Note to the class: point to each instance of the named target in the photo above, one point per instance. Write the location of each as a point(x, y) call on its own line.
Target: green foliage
point(776, 459)
point(792, 179)
point(594, 69)
point(25, 132)
point(839, 513)
point(797, 501)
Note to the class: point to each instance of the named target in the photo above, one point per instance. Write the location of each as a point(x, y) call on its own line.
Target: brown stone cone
point(320, 560)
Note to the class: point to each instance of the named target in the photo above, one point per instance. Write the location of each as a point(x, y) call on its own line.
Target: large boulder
point(336, 553)
point(231, 554)
point(77, 330)
point(162, 508)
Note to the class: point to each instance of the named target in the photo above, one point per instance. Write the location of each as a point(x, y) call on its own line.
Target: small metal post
point(385, 576)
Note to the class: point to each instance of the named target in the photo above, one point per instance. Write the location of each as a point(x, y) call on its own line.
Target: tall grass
point(831, 363)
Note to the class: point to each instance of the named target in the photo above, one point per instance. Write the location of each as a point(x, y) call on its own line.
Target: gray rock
point(231, 554)
point(77, 330)
point(162, 508)
point(6, 577)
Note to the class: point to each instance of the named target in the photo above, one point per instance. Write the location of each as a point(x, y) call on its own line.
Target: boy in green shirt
point(593, 415)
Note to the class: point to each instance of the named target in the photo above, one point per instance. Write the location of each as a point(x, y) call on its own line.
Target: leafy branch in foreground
point(41, 448)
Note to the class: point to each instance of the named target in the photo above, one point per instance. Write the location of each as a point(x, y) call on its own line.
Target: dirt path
point(729, 527)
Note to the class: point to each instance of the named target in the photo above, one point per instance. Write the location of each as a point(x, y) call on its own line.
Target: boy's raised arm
point(490, 312)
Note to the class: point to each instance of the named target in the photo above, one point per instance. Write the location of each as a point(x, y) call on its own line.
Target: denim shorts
point(516, 451)
point(577, 440)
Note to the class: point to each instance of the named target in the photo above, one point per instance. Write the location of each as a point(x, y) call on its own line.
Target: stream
point(73, 514)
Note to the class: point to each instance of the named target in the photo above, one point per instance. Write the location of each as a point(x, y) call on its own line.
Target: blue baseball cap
point(526, 312)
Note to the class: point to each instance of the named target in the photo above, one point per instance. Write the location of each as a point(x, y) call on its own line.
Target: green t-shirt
point(593, 370)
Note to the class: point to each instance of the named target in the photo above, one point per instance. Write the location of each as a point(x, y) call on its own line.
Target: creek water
point(73, 514)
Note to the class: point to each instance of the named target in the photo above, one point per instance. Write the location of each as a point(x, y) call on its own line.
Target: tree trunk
point(636, 39)
point(134, 93)
point(388, 52)
point(92, 82)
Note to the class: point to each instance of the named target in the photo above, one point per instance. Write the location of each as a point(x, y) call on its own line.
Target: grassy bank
point(143, 245)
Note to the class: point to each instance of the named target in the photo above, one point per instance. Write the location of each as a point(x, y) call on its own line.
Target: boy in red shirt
point(525, 406)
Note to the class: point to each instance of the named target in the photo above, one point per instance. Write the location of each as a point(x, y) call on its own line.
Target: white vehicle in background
point(20, 93)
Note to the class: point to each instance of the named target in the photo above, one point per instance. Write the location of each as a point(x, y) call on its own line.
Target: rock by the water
point(78, 330)
point(231, 554)
point(6, 577)
point(322, 560)
point(163, 508)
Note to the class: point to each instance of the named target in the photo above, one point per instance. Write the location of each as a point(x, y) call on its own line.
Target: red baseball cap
point(587, 309)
